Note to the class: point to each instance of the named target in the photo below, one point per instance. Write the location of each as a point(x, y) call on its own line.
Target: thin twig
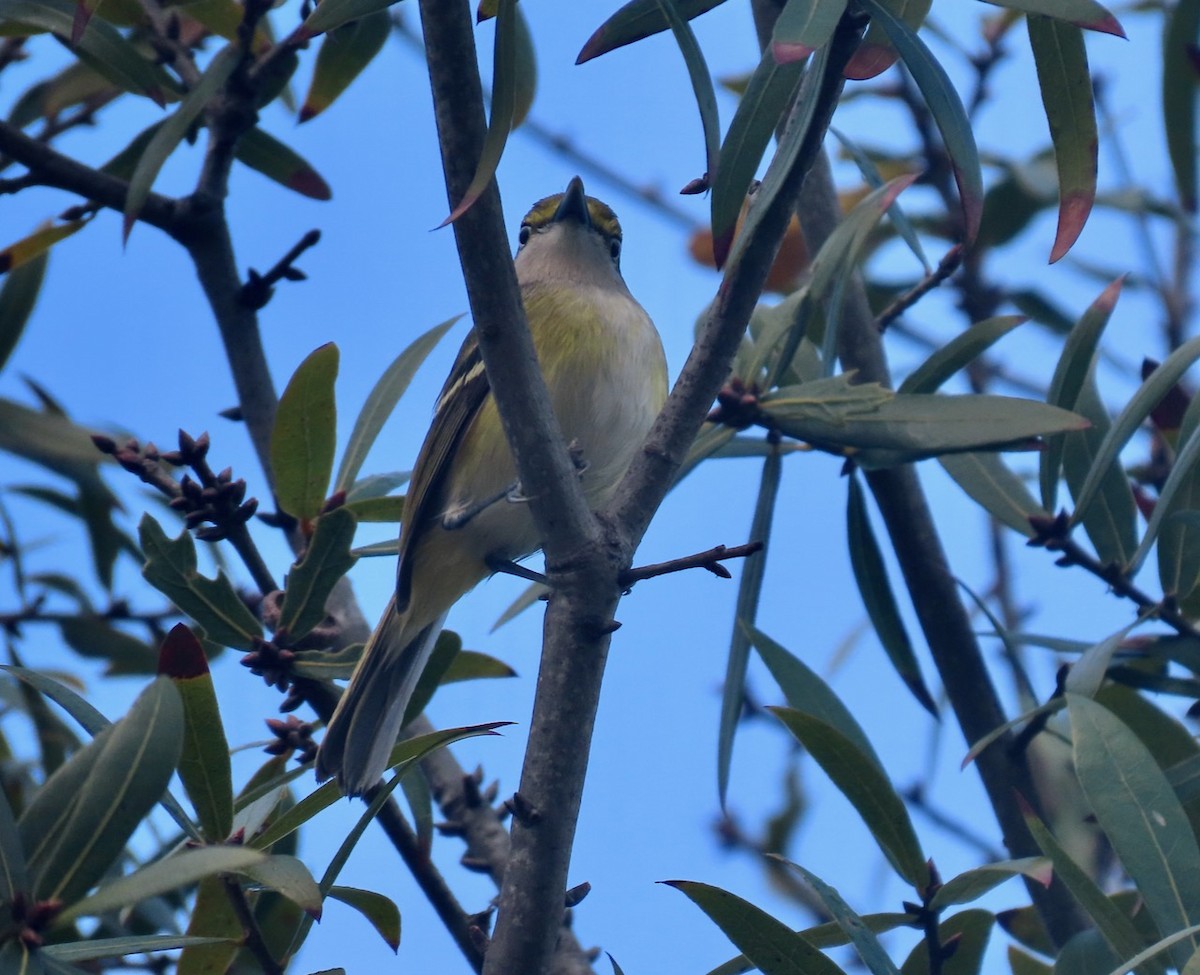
point(946, 267)
point(710, 560)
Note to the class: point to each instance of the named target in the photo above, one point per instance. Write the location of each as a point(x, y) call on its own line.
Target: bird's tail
point(369, 716)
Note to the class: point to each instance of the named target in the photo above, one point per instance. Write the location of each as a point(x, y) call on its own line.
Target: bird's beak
point(574, 204)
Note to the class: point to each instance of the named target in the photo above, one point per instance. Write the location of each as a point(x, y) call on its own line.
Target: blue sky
point(124, 339)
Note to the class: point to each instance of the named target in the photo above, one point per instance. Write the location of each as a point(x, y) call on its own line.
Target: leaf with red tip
point(172, 132)
point(876, 54)
point(635, 20)
point(506, 69)
point(947, 111)
point(204, 765)
point(267, 155)
point(1179, 93)
point(803, 26)
point(702, 86)
point(1087, 14)
point(1066, 86)
point(345, 52)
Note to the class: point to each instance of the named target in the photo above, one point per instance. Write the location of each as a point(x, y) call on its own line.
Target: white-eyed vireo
point(604, 367)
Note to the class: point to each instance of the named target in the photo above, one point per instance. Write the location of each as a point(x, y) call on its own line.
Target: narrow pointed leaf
point(473, 665)
point(167, 138)
point(803, 26)
point(506, 66)
point(13, 875)
point(1066, 86)
point(326, 560)
point(827, 935)
point(213, 603)
point(1179, 553)
point(745, 613)
point(382, 400)
point(1088, 672)
point(345, 52)
point(702, 86)
point(267, 155)
point(204, 765)
point(770, 945)
point(388, 510)
point(381, 911)
point(759, 112)
point(1179, 95)
point(991, 483)
point(288, 876)
point(973, 884)
point(1070, 375)
point(867, 788)
point(420, 803)
point(445, 652)
point(529, 597)
point(969, 932)
point(958, 353)
point(870, 574)
point(18, 296)
point(305, 433)
point(1088, 14)
point(1141, 816)
point(180, 870)
point(876, 54)
point(946, 108)
point(1180, 480)
point(635, 20)
point(1148, 396)
point(96, 948)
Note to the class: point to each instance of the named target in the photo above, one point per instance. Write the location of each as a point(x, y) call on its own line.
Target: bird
point(606, 372)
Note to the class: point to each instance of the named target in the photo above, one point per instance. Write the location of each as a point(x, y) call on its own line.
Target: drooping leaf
point(171, 133)
point(95, 637)
point(213, 603)
point(803, 26)
point(204, 765)
point(973, 884)
point(213, 917)
point(827, 935)
point(267, 155)
point(702, 86)
point(635, 20)
point(305, 434)
point(745, 613)
point(18, 296)
point(860, 779)
point(326, 560)
point(382, 400)
point(991, 483)
point(345, 52)
point(1180, 481)
point(1088, 14)
point(13, 875)
point(1088, 672)
point(1066, 86)
point(1179, 553)
point(958, 353)
point(289, 877)
point(331, 14)
point(876, 54)
point(1179, 94)
point(770, 945)
point(95, 949)
point(379, 910)
point(945, 107)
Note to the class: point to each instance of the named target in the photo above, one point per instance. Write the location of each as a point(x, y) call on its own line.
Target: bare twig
point(946, 267)
point(253, 933)
point(710, 560)
point(257, 290)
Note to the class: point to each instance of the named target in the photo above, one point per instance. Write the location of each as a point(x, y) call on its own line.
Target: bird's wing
point(460, 401)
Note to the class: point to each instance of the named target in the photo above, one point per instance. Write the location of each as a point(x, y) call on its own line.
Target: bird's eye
point(614, 249)
point(523, 236)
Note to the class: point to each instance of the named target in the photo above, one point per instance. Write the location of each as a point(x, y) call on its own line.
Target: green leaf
point(13, 875)
point(1140, 815)
point(50, 440)
point(1070, 377)
point(96, 948)
point(506, 82)
point(420, 803)
point(167, 138)
point(180, 870)
point(18, 296)
point(212, 916)
point(204, 765)
point(969, 930)
point(945, 107)
point(1066, 85)
point(267, 155)
point(94, 637)
point(770, 945)
point(302, 442)
point(388, 510)
point(331, 14)
point(762, 106)
point(445, 652)
point(326, 560)
point(865, 943)
point(702, 86)
point(994, 487)
point(382, 400)
point(859, 778)
point(1088, 672)
point(1179, 95)
point(828, 935)
point(1109, 919)
point(16, 958)
point(289, 877)
point(973, 884)
point(1179, 553)
point(1179, 483)
point(805, 691)
point(1148, 396)
point(529, 596)
point(213, 603)
point(112, 783)
point(473, 665)
point(344, 52)
point(745, 612)
point(635, 20)
point(803, 26)
point(328, 664)
point(958, 353)
point(870, 574)
point(876, 54)
point(379, 910)
point(1087, 14)
point(102, 47)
